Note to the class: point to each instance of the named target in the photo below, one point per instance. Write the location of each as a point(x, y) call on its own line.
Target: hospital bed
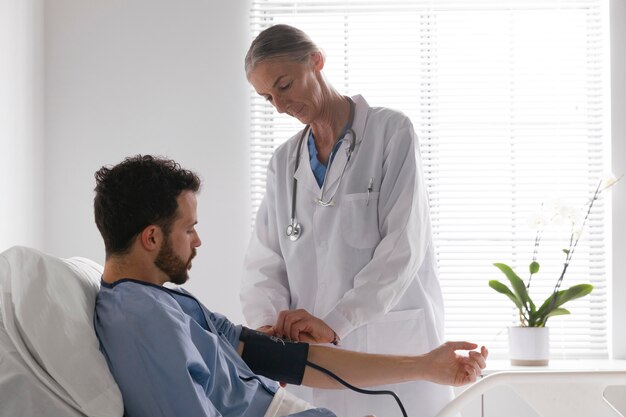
point(548, 393)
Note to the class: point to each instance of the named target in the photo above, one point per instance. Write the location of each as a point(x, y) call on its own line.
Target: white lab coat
point(364, 265)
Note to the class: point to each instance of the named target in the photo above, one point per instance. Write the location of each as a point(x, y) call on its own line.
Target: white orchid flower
point(560, 212)
point(555, 204)
point(538, 220)
point(570, 214)
point(608, 180)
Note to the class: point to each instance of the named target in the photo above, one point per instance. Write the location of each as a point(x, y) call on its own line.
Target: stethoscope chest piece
point(294, 230)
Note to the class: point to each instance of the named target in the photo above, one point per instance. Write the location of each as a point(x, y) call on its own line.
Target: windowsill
point(558, 365)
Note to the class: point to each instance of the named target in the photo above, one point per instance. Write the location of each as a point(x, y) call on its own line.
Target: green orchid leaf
point(533, 267)
point(532, 312)
point(516, 282)
point(563, 296)
point(574, 292)
point(543, 310)
point(555, 312)
point(503, 289)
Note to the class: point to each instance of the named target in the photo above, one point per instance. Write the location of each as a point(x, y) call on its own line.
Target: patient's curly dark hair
point(138, 192)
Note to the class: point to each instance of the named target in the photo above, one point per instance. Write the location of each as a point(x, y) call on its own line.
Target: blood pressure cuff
point(274, 358)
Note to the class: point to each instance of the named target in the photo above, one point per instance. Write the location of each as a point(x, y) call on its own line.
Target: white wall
point(20, 123)
point(151, 77)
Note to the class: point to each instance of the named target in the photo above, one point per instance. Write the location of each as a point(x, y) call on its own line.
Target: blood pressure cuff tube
point(274, 358)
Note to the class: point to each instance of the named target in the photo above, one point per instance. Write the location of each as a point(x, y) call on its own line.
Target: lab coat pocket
point(398, 333)
point(359, 220)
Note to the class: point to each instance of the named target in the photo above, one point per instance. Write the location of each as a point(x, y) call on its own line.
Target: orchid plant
point(519, 292)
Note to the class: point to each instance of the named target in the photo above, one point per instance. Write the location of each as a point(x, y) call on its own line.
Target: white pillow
point(47, 306)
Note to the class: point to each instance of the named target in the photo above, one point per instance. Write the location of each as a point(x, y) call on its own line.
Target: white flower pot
point(529, 346)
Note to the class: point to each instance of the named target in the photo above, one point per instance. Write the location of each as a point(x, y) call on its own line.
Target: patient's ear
point(151, 238)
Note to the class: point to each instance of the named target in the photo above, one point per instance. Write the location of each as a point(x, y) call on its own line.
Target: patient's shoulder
point(134, 303)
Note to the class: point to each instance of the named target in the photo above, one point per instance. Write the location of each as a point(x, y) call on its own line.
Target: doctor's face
point(292, 87)
point(179, 246)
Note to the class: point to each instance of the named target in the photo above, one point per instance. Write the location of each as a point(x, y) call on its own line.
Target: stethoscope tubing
point(294, 229)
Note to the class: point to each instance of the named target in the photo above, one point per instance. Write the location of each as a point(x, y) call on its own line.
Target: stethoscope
point(294, 229)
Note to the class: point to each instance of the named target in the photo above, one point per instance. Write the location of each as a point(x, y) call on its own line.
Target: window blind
point(508, 99)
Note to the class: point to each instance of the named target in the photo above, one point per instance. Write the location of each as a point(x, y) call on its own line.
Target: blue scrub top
point(319, 169)
point(171, 356)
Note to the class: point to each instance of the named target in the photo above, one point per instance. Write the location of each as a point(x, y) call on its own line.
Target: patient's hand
point(446, 366)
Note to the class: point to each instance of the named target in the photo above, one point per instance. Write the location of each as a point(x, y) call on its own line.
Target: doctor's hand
point(266, 329)
point(301, 326)
point(445, 366)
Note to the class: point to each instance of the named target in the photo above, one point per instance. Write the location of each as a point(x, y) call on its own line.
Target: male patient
point(170, 355)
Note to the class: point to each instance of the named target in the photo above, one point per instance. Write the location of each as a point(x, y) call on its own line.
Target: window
point(508, 99)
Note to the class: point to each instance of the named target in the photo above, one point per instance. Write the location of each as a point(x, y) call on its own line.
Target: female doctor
point(342, 250)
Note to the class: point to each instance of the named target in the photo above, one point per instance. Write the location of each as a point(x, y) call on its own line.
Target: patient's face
point(179, 247)
point(173, 265)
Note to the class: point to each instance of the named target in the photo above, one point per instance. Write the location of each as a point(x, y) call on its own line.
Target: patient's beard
point(172, 264)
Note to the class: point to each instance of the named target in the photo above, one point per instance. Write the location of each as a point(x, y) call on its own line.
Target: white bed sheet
point(49, 353)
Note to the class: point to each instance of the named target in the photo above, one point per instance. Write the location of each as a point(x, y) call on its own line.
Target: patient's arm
point(441, 365)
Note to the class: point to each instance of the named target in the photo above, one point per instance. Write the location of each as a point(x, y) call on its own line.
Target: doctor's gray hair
point(280, 42)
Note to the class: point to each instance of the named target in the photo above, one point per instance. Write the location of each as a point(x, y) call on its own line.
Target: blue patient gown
point(172, 357)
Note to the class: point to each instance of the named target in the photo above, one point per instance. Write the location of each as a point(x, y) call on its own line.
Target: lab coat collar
point(358, 126)
point(304, 174)
point(360, 117)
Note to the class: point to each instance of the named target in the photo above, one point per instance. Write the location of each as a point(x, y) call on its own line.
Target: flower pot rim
point(530, 327)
